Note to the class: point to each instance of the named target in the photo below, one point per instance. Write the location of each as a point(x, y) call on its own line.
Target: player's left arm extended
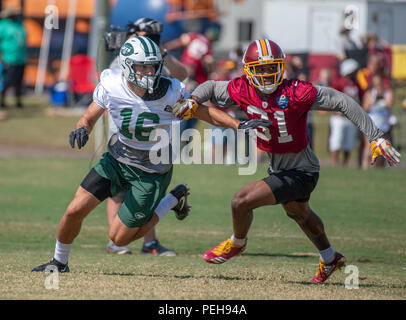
point(216, 92)
point(216, 117)
point(85, 125)
point(220, 118)
point(189, 108)
point(328, 99)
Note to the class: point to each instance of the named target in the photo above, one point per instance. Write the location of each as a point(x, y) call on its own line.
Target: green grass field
point(364, 215)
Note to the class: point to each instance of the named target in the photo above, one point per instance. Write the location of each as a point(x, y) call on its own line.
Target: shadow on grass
point(216, 277)
point(308, 283)
point(276, 255)
point(341, 284)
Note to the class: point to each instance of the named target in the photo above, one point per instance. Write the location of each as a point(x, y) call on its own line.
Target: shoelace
point(324, 270)
point(225, 247)
point(321, 269)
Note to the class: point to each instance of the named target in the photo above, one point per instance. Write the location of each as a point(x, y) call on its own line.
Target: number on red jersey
point(279, 115)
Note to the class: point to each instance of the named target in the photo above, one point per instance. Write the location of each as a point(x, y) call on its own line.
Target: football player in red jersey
point(294, 169)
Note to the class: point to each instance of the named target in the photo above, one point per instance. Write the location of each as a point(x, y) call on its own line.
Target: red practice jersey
point(287, 108)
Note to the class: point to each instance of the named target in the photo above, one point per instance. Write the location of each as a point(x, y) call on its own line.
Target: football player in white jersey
point(175, 69)
point(135, 96)
point(139, 101)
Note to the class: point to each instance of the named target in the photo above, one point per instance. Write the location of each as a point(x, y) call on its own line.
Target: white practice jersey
point(137, 118)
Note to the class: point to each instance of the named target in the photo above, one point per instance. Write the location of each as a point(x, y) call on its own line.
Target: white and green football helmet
point(141, 50)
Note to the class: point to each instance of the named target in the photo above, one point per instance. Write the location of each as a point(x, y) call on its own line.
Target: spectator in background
point(324, 77)
point(296, 68)
point(236, 56)
point(374, 66)
point(351, 47)
point(382, 50)
point(324, 80)
point(197, 55)
point(378, 101)
point(198, 59)
point(221, 135)
point(343, 132)
point(13, 50)
point(302, 76)
point(224, 70)
point(152, 29)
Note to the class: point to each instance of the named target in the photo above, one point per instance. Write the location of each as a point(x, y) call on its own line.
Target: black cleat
point(52, 266)
point(182, 209)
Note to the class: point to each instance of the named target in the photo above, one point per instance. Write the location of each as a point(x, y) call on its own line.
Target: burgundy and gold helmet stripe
point(264, 49)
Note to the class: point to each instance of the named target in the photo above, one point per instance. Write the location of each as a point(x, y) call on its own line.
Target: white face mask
point(146, 82)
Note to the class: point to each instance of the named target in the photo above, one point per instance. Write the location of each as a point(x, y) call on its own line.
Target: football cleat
point(327, 269)
point(182, 209)
point(112, 248)
point(51, 266)
point(157, 250)
point(223, 252)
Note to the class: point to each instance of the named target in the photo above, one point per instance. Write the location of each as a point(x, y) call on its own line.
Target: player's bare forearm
point(176, 68)
point(90, 117)
point(173, 44)
point(216, 117)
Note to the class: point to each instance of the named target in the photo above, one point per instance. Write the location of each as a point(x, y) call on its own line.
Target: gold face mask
point(264, 64)
point(265, 75)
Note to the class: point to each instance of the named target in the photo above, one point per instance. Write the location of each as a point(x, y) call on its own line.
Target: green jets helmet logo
point(127, 49)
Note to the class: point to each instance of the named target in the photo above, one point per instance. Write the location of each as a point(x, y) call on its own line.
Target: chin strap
point(268, 91)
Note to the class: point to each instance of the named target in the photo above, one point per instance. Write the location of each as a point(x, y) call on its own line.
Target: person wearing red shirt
point(343, 133)
point(364, 75)
point(264, 95)
point(196, 55)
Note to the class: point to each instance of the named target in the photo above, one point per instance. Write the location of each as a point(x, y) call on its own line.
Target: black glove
point(81, 137)
point(254, 123)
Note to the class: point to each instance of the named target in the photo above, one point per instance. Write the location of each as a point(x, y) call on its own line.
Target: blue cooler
point(59, 94)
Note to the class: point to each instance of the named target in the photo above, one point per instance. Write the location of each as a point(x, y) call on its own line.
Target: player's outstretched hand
point(254, 123)
point(185, 109)
point(80, 135)
point(382, 147)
